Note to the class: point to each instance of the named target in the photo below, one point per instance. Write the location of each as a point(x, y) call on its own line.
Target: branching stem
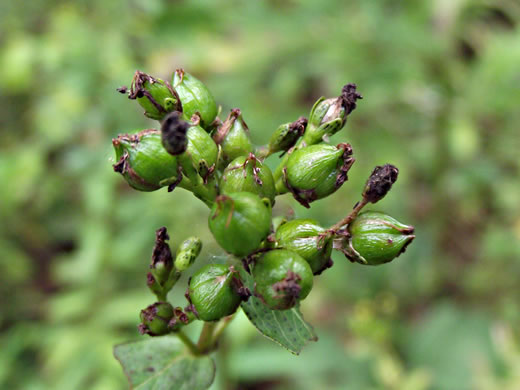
point(189, 344)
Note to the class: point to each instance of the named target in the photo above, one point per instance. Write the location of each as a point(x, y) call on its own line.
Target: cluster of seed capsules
point(216, 160)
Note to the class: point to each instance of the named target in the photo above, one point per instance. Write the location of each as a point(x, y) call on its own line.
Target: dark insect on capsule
point(173, 134)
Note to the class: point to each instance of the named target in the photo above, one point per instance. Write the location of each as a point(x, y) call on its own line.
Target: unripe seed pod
point(248, 174)
point(328, 116)
point(212, 290)
point(240, 222)
point(195, 97)
point(201, 154)
point(286, 135)
point(143, 161)
point(155, 319)
point(233, 137)
point(282, 279)
point(156, 96)
point(317, 171)
point(376, 238)
point(187, 252)
point(308, 239)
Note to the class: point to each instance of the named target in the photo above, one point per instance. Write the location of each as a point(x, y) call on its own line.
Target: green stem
point(349, 218)
point(205, 342)
point(187, 341)
point(219, 330)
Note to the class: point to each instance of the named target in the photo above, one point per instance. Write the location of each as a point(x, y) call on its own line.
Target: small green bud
point(143, 161)
point(156, 96)
point(233, 137)
point(328, 116)
point(248, 174)
point(240, 222)
point(173, 134)
point(282, 279)
point(317, 171)
point(213, 292)
point(195, 97)
point(376, 238)
point(155, 319)
point(286, 135)
point(380, 182)
point(187, 252)
point(308, 239)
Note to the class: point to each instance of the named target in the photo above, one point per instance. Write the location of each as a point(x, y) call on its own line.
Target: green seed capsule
point(240, 222)
point(286, 135)
point(233, 137)
point(156, 96)
point(187, 252)
point(328, 116)
point(248, 174)
point(143, 161)
point(308, 239)
point(195, 97)
point(212, 291)
point(155, 319)
point(282, 279)
point(376, 238)
point(201, 154)
point(317, 171)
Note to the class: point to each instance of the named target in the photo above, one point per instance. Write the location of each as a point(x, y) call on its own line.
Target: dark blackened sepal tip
point(349, 95)
point(173, 134)
point(161, 250)
point(380, 182)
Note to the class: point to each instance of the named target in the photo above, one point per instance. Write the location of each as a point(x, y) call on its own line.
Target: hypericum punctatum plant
point(271, 262)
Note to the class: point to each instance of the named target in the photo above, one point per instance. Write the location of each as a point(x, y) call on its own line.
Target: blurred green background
point(441, 87)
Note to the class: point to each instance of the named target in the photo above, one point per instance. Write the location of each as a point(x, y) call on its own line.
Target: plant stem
point(205, 342)
point(187, 341)
point(222, 325)
point(349, 218)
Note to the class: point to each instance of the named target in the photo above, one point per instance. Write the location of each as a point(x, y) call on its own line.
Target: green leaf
point(285, 327)
point(163, 363)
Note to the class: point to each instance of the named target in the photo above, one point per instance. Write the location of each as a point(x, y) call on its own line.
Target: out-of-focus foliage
point(441, 81)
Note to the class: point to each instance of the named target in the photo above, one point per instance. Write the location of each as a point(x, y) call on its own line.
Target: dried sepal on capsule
point(233, 137)
point(328, 116)
point(375, 238)
point(213, 291)
point(317, 171)
point(308, 239)
point(195, 97)
point(143, 161)
point(240, 222)
point(282, 279)
point(156, 96)
point(248, 174)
